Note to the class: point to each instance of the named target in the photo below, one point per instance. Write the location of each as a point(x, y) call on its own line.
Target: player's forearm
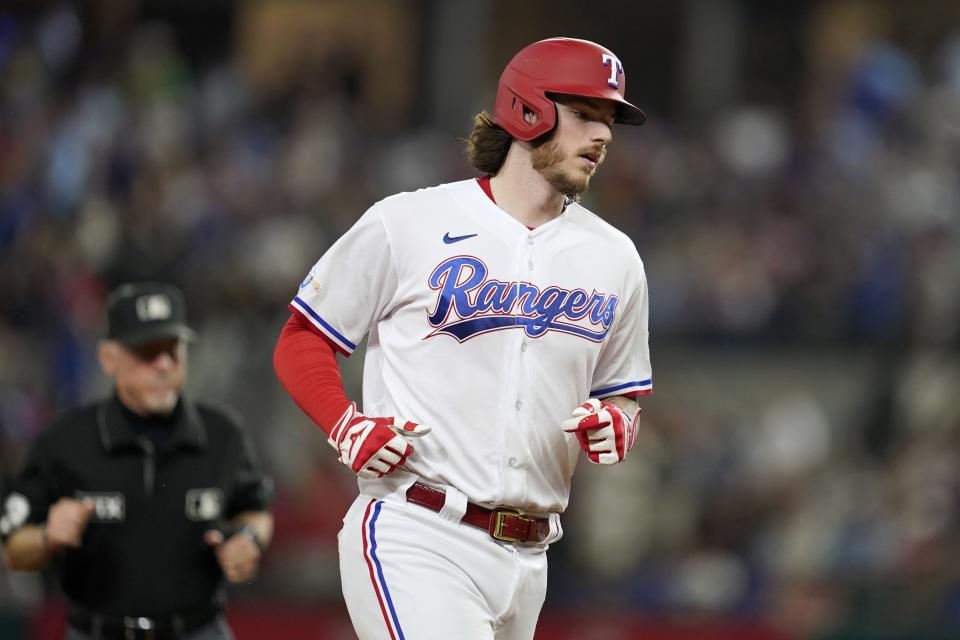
point(306, 365)
point(26, 549)
point(260, 521)
point(627, 405)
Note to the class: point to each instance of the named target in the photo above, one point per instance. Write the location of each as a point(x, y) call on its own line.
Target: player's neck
point(523, 192)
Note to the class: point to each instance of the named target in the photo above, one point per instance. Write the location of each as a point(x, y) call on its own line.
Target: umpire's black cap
point(141, 312)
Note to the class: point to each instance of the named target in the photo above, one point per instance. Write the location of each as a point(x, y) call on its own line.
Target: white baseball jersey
point(487, 331)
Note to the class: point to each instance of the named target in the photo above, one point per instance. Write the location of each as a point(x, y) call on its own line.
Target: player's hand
point(238, 555)
point(605, 432)
point(373, 447)
point(66, 521)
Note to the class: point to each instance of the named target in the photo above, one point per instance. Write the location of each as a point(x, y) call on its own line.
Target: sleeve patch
point(16, 510)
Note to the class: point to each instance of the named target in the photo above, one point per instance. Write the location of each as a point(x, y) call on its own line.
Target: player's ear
point(108, 354)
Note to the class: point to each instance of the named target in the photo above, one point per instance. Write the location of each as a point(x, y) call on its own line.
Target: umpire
point(143, 501)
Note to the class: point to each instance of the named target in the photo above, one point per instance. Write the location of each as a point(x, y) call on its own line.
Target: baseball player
point(507, 335)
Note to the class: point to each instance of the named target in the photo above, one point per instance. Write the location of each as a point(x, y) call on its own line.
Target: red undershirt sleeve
point(306, 363)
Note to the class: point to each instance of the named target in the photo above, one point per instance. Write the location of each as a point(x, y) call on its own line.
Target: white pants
point(409, 574)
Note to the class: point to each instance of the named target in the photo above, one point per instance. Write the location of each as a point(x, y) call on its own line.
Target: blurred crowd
point(799, 461)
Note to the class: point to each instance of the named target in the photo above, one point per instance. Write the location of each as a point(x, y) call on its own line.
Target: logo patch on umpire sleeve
point(16, 510)
point(109, 506)
point(204, 504)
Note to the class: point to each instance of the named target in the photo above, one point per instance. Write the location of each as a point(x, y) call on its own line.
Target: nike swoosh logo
point(448, 239)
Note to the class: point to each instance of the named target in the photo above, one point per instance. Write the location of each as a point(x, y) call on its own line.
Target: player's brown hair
point(488, 144)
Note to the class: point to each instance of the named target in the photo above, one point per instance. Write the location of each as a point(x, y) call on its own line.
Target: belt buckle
point(139, 628)
point(496, 525)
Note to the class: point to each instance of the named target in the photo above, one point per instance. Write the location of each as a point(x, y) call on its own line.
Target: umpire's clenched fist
point(238, 555)
point(66, 521)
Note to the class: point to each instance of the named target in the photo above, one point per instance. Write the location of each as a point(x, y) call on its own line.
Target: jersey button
point(529, 239)
point(519, 405)
point(513, 462)
point(523, 346)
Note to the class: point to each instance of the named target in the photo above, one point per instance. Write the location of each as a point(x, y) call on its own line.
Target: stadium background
point(795, 197)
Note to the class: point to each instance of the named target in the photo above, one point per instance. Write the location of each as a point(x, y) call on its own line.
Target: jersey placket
point(514, 456)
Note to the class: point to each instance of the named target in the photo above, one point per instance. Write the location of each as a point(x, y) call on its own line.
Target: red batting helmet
point(559, 65)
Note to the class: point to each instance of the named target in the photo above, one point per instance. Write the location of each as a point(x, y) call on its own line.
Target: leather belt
point(167, 627)
point(502, 523)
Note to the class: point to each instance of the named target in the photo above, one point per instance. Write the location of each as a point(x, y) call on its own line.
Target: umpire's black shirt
point(143, 551)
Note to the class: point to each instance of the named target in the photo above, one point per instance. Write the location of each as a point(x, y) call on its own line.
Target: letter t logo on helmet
point(559, 66)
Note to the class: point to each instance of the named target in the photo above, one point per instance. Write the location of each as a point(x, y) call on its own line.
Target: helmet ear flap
point(512, 111)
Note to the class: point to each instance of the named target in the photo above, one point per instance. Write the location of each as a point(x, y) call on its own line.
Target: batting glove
point(605, 432)
point(373, 447)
